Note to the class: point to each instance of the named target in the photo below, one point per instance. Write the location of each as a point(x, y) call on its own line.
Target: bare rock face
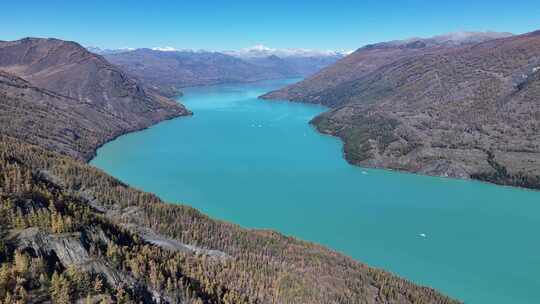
point(171, 244)
point(466, 110)
point(67, 248)
point(50, 82)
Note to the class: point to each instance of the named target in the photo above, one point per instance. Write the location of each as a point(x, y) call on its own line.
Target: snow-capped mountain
point(449, 39)
point(264, 51)
point(168, 69)
point(100, 51)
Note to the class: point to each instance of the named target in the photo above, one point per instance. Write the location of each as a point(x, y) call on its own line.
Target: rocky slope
point(74, 100)
point(371, 57)
point(73, 234)
point(467, 111)
point(51, 120)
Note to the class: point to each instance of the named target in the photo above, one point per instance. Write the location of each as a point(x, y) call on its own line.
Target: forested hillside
point(71, 233)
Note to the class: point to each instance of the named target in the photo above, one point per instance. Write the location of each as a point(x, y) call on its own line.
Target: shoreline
point(349, 161)
point(330, 245)
point(88, 157)
point(257, 230)
point(93, 153)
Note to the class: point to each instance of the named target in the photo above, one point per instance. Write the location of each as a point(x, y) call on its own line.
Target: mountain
point(450, 39)
point(303, 62)
point(51, 120)
point(369, 58)
point(274, 63)
point(58, 95)
point(259, 51)
point(467, 110)
point(100, 51)
point(168, 71)
point(294, 66)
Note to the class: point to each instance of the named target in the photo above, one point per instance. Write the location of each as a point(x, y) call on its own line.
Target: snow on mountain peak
point(165, 49)
point(256, 51)
point(261, 50)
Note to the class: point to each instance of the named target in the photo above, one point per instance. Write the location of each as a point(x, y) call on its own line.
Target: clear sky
point(221, 25)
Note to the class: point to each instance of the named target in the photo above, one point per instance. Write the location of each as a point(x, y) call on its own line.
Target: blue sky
point(222, 25)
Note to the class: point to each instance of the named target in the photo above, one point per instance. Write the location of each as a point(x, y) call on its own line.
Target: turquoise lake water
point(261, 165)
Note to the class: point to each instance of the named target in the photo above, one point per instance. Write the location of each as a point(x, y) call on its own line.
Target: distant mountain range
point(304, 62)
point(264, 51)
point(100, 51)
point(255, 51)
point(168, 70)
point(462, 105)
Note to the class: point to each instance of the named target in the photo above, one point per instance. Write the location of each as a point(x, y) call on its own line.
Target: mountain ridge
point(466, 111)
point(168, 71)
point(264, 51)
point(84, 85)
point(370, 57)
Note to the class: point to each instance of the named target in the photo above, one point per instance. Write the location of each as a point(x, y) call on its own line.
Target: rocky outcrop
point(171, 244)
point(71, 250)
point(67, 249)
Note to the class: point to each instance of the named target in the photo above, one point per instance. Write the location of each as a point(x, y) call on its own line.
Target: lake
point(261, 165)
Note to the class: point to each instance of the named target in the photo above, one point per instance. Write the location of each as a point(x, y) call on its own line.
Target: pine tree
point(8, 299)
point(98, 285)
point(60, 289)
point(121, 295)
point(22, 263)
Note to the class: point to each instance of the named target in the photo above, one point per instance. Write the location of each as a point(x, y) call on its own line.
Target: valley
point(261, 165)
point(122, 171)
point(71, 233)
